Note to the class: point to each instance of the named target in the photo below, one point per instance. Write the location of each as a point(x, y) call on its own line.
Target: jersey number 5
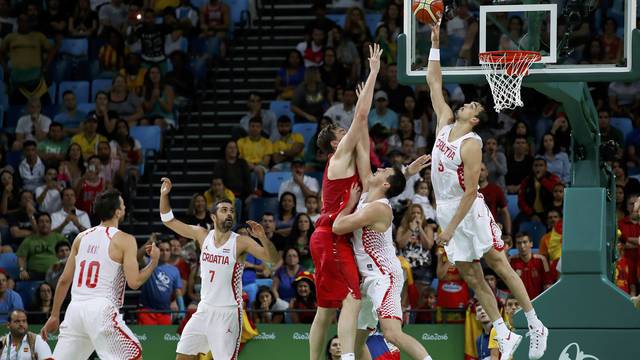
point(440, 166)
point(93, 271)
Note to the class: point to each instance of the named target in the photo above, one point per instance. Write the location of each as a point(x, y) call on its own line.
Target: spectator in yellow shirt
point(89, 138)
point(290, 145)
point(218, 192)
point(255, 149)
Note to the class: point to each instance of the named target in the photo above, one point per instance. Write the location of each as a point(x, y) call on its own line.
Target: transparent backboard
point(579, 40)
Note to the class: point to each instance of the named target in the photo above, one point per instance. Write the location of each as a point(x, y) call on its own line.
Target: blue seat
point(535, 229)
point(86, 107)
point(339, 19)
point(75, 47)
point(512, 205)
point(13, 114)
point(14, 158)
point(9, 263)
point(306, 129)
point(317, 175)
point(53, 91)
point(99, 85)
point(372, 21)
point(51, 110)
point(259, 206)
point(1, 117)
point(198, 3)
point(282, 107)
point(4, 97)
point(264, 282)
point(149, 138)
point(79, 88)
point(623, 124)
point(27, 290)
point(273, 179)
point(239, 12)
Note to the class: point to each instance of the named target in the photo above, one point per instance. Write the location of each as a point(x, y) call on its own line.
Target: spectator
point(41, 308)
point(392, 19)
point(406, 131)
point(252, 266)
point(181, 78)
point(124, 102)
point(558, 197)
point(533, 269)
point(427, 306)
point(36, 253)
point(519, 164)
point(314, 157)
point(178, 260)
point(63, 249)
point(593, 53)
point(521, 129)
point(8, 23)
point(158, 100)
point(313, 50)
point(607, 132)
point(396, 92)
point(69, 221)
point(31, 168)
point(134, 73)
point(234, 171)
point(197, 213)
point(71, 118)
point(268, 222)
point(621, 206)
point(483, 342)
point(557, 161)
point(300, 185)
point(631, 185)
point(187, 16)
point(624, 98)
point(355, 27)
point(48, 195)
point(333, 351)
point(320, 20)
point(269, 123)
point(111, 55)
point(346, 51)
point(194, 287)
point(163, 285)
point(415, 239)
point(151, 37)
point(629, 228)
point(268, 308)
point(214, 23)
point(495, 199)
point(288, 147)
point(312, 207)
point(90, 185)
point(612, 45)
point(309, 99)
point(20, 338)
point(89, 139)
point(84, 21)
point(289, 76)
point(535, 197)
point(548, 249)
point(10, 194)
point(218, 192)
point(53, 150)
point(256, 150)
point(423, 196)
point(9, 299)
point(300, 238)
point(304, 299)
point(453, 291)
point(174, 41)
point(127, 148)
point(382, 115)
point(342, 113)
point(106, 118)
point(622, 279)
point(113, 17)
point(286, 213)
point(24, 49)
point(332, 74)
point(495, 162)
point(112, 169)
point(561, 133)
point(72, 168)
point(33, 126)
point(23, 222)
point(283, 278)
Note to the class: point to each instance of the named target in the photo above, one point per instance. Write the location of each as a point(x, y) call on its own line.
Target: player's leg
point(318, 333)
point(347, 325)
point(73, 341)
point(112, 338)
point(392, 330)
point(193, 340)
point(362, 351)
point(225, 330)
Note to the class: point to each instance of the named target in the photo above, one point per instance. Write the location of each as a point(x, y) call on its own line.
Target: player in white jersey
point(103, 260)
point(469, 230)
point(379, 267)
point(217, 324)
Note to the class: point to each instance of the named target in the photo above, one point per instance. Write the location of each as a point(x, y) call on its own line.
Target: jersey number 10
point(93, 270)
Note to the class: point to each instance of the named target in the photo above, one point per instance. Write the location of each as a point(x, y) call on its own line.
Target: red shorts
point(336, 270)
point(151, 318)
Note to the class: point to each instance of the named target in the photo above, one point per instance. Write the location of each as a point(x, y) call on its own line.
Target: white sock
point(502, 331)
point(349, 356)
point(428, 358)
point(532, 319)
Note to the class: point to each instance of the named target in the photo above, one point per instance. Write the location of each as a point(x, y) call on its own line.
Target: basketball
point(428, 11)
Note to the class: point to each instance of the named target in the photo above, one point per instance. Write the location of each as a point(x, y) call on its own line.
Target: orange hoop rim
point(509, 56)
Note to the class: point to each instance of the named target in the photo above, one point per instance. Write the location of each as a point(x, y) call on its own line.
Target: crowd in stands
point(152, 52)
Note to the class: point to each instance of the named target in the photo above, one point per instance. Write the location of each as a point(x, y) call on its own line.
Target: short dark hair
point(256, 119)
point(106, 204)
point(220, 202)
point(397, 183)
point(325, 137)
point(68, 92)
point(482, 116)
point(268, 213)
point(54, 124)
point(29, 143)
point(67, 189)
point(284, 119)
point(16, 311)
point(523, 234)
point(62, 243)
point(41, 214)
point(92, 157)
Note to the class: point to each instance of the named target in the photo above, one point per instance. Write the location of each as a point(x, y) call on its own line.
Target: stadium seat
point(535, 229)
point(4, 97)
point(623, 124)
point(339, 19)
point(273, 179)
point(281, 107)
point(316, 175)
point(27, 290)
point(306, 129)
point(53, 91)
point(512, 205)
point(79, 88)
point(75, 47)
point(86, 107)
point(372, 21)
point(51, 110)
point(99, 85)
point(14, 158)
point(239, 12)
point(198, 3)
point(149, 138)
point(13, 114)
point(261, 205)
point(9, 263)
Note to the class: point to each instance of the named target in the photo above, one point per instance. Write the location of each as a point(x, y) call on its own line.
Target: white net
point(504, 71)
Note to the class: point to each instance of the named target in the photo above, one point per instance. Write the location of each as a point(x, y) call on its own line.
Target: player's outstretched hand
point(418, 164)
point(256, 230)
point(165, 189)
point(435, 35)
point(359, 89)
point(354, 195)
point(51, 326)
point(152, 250)
point(374, 57)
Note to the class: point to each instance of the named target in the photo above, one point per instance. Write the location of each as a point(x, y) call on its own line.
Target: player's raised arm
point(267, 252)
point(135, 276)
point(196, 233)
point(347, 222)
point(434, 79)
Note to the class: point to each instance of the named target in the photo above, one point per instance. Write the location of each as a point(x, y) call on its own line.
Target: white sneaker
point(538, 344)
point(509, 345)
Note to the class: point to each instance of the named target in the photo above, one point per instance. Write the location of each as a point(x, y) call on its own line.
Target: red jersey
point(622, 275)
point(453, 292)
point(333, 194)
point(494, 198)
point(629, 229)
point(534, 273)
point(88, 194)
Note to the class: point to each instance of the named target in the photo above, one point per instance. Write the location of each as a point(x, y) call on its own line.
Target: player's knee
point(393, 336)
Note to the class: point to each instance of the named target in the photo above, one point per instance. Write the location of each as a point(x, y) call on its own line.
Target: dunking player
point(382, 277)
point(217, 324)
point(102, 259)
point(469, 230)
point(337, 279)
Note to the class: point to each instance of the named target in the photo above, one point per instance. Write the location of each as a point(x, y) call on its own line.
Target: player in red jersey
point(337, 278)
point(533, 269)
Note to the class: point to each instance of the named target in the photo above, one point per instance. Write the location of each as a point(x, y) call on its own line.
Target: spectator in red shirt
point(495, 199)
point(90, 186)
point(630, 233)
point(622, 272)
point(533, 269)
point(178, 260)
point(453, 291)
point(535, 197)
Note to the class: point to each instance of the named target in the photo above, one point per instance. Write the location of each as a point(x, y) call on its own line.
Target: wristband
point(166, 217)
point(434, 55)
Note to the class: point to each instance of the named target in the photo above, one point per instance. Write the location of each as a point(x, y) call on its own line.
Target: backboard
point(579, 40)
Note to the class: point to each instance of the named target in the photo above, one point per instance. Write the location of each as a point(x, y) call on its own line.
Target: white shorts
point(476, 234)
point(95, 325)
point(381, 299)
point(212, 329)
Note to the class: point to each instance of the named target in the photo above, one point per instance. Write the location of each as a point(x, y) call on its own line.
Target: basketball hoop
point(504, 71)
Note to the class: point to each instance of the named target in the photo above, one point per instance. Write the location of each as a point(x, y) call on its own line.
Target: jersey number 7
point(213, 274)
